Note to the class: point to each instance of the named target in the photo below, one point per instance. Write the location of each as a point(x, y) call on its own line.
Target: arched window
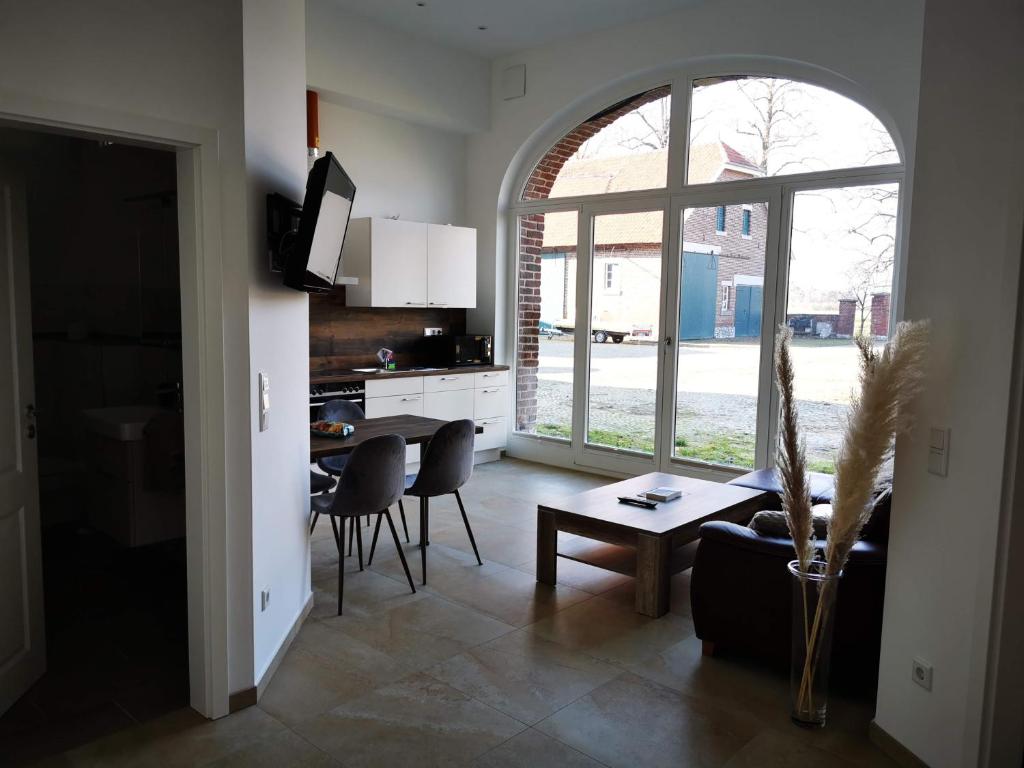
point(673, 282)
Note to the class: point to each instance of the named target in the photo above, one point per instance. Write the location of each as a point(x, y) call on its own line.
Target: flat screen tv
point(310, 253)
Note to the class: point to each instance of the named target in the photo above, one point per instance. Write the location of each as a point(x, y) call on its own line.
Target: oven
point(353, 391)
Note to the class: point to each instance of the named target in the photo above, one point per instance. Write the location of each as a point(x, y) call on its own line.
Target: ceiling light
point(482, 27)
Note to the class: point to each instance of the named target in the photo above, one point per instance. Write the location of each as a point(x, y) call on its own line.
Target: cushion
point(770, 522)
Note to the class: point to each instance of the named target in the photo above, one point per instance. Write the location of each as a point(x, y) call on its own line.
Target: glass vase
point(814, 606)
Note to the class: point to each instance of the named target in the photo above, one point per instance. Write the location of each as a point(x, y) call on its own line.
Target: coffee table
point(646, 544)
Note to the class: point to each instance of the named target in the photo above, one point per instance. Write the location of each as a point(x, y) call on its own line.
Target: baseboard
point(268, 674)
point(892, 748)
point(242, 699)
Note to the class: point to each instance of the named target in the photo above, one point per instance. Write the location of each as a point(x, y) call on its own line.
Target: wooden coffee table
point(635, 541)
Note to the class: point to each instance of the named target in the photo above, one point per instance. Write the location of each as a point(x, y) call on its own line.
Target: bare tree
point(778, 122)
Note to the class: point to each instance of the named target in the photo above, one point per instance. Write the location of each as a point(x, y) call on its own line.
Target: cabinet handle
point(490, 391)
point(409, 399)
point(449, 378)
point(414, 303)
point(438, 303)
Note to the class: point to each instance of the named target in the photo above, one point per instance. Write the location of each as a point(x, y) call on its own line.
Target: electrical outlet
point(921, 673)
point(264, 599)
point(431, 331)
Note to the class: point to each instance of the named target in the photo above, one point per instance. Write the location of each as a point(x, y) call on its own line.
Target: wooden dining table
point(416, 430)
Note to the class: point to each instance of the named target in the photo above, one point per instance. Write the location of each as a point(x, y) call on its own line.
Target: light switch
point(938, 451)
point(264, 396)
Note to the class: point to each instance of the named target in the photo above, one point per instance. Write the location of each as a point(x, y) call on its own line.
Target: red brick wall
point(880, 315)
point(538, 186)
point(847, 318)
point(531, 238)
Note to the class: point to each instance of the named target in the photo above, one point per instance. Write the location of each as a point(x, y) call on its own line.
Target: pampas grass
point(888, 382)
point(792, 461)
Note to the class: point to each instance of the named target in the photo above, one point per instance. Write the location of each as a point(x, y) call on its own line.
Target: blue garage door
point(698, 294)
point(748, 310)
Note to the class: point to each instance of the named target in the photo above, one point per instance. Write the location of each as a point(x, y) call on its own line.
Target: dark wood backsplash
point(349, 337)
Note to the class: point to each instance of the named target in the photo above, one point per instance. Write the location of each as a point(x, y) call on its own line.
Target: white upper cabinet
point(451, 266)
point(409, 264)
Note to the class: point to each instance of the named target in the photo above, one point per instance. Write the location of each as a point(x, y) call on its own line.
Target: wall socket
point(432, 331)
point(921, 673)
point(264, 599)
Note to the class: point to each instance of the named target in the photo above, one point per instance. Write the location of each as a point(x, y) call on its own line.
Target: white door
point(398, 263)
point(451, 266)
point(22, 647)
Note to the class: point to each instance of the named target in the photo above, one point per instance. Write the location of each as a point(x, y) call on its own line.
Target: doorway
point(101, 220)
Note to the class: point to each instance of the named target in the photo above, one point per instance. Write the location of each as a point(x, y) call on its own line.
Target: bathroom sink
point(125, 423)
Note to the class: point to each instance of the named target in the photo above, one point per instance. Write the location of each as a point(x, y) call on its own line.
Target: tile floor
point(484, 667)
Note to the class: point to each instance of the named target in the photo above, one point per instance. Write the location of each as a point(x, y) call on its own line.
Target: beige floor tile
point(423, 632)
point(366, 592)
point(524, 675)
point(595, 581)
point(679, 597)
point(536, 750)
point(612, 632)
point(417, 721)
point(774, 749)
point(631, 721)
point(282, 750)
point(183, 738)
point(507, 594)
point(323, 668)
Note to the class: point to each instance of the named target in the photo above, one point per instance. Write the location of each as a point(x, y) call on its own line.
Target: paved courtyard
point(716, 398)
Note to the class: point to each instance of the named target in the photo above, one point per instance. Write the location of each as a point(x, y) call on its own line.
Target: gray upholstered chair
point(373, 479)
point(446, 466)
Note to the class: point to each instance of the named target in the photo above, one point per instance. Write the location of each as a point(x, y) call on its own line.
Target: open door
point(22, 645)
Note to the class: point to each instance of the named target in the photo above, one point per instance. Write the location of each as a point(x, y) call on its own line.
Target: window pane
point(623, 148)
point(721, 293)
point(547, 314)
point(745, 127)
point(840, 282)
point(624, 330)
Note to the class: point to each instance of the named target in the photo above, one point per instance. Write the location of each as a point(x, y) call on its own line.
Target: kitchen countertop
point(342, 378)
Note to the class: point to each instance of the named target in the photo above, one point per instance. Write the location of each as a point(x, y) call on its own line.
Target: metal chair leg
point(423, 539)
point(339, 541)
point(398, 546)
point(352, 523)
point(401, 511)
point(312, 525)
point(359, 540)
point(469, 530)
point(373, 544)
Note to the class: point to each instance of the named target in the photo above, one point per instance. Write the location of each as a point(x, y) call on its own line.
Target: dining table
point(416, 430)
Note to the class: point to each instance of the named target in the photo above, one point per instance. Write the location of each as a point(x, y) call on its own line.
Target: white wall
point(400, 168)
point(362, 64)
point(872, 48)
point(965, 253)
point(274, 38)
point(178, 62)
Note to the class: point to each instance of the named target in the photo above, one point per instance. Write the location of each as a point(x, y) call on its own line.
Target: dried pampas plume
point(888, 382)
point(792, 463)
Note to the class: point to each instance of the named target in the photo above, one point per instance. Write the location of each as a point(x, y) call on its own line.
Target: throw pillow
point(771, 522)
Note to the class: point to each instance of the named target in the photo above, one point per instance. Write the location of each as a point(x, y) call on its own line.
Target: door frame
point(617, 460)
point(666, 415)
point(203, 369)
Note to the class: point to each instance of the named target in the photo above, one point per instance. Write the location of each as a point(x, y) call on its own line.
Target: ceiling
point(512, 25)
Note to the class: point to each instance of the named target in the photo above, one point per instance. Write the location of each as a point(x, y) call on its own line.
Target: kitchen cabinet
point(409, 264)
point(451, 266)
point(396, 397)
point(449, 405)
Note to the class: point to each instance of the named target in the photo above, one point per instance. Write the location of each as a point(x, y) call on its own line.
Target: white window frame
point(778, 189)
point(612, 278)
point(726, 304)
point(747, 209)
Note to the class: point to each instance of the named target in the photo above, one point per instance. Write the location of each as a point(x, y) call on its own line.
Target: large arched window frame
point(778, 192)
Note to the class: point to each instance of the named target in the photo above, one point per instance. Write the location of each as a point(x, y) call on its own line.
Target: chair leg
point(373, 544)
point(469, 530)
point(401, 511)
point(359, 541)
point(339, 540)
point(337, 536)
point(367, 521)
point(312, 525)
point(352, 523)
point(423, 540)
point(398, 546)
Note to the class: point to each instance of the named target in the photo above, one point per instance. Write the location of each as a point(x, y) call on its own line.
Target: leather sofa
point(741, 592)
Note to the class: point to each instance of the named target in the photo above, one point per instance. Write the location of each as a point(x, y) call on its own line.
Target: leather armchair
point(741, 595)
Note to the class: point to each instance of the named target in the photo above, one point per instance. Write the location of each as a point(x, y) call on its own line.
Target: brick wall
point(880, 315)
point(847, 318)
point(531, 239)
